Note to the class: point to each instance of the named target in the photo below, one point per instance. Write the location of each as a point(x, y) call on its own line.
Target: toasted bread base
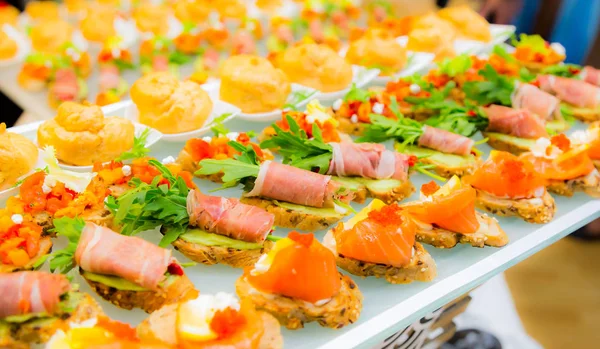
point(45, 248)
point(398, 193)
point(499, 144)
point(343, 309)
point(161, 327)
point(347, 126)
point(540, 210)
point(188, 164)
point(149, 301)
point(221, 255)
point(100, 216)
point(569, 187)
point(447, 172)
point(41, 333)
point(287, 218)
point(587, 115)
point(596, 164)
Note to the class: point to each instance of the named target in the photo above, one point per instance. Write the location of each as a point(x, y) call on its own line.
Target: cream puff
point(433, 40)
point(470, 24)
point(8, 15)
point(82, 135)
point(8, 46)
point(42, 10)
point(377, 49)
point(98, 23)
point(253, 84)
point(50, 36)
point(169, 105)
point(18, 155)
point(152, 18)
point(192, 11)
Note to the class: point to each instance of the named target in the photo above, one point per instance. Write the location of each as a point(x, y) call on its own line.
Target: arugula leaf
point(139, 149)
point(496, 89)
point(123, 65)
point(234, 170)
point(179, 58)
point(456, 66)
point(499, 50)
point(71, 228)
point(381, 129)
point(534, 42)
point(463, 120)
point(357, 95)
point(217, 125)
point(437, 99)
point(296, 98)
point(564, 70)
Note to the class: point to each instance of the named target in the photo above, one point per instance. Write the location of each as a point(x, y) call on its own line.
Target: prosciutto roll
point(576, 92)
point(590, 75)
point(30, 292)
point(287, 183)
point(229, 217)
point(446, 142)
point(367, 160)
point(540, 103)
point(109, 77)
point(515, 122)
point(102, 251)
point(65, 87)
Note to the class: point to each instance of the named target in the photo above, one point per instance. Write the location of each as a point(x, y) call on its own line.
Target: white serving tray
point(386, 308)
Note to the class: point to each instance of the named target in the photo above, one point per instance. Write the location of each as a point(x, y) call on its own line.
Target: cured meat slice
point(367, 160)
point(515, 122)
point(30, 292)
point(160, 63)
point(590, 75)
point(101, 250)
point(109, 77)
point(445, 141)
point(229, 217)
point(540, 103)
point(65, 87)
point(576, 92)
point(287, 183)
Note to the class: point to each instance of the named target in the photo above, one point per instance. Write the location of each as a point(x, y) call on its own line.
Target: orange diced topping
point(226, 322)
point(561, 141)
point(121, 330)
point(387, 215)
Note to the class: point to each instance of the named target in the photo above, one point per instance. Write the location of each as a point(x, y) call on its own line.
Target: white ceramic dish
point(418, 62)
point(23, 46)
point(219, 108)
point(361, 77)
point(298, 91)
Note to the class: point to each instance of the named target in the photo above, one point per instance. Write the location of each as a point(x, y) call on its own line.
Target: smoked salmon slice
point(386, 236)
point(298, 267)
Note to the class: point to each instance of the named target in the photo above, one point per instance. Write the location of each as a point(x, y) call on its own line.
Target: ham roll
point(30, 292)
point(367, 160)
point(540, 103)
point(109, 77)
point(65, 87)
point(590, 75)
point(102, 251)
point(287, 183)
point(576, 92)
point(445, 141)
point(229, 217)
point(515, 122)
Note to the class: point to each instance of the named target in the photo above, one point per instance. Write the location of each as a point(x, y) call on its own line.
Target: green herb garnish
point(357, 95)
point(496, 89)
point(244, 166)
point(139, 149)
point(71, 228)
point(381, 129)
point(456, 66)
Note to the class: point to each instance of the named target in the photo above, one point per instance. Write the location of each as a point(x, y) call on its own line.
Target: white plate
point(500, 33)
point(418, 62)
point(213, 91)
point(23, 46)
point(361, 76)
point(219, 108)
point(12, 191)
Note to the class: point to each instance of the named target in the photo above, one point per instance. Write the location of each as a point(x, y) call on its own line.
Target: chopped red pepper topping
point(303, 239)
point(175, 269)
point(226, 322)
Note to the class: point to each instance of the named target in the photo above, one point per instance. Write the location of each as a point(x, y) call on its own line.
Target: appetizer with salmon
point(298, 282)
point(535, 53)
point(298, 198)
point(579, 98)
point(212, 321)
point(591, 138)
point(206, 229)
point(366, 169)
point(149, 278)
point(566, 167)
point(507, 185)
point(380, 241)
point(34, 305)
point(445, 216)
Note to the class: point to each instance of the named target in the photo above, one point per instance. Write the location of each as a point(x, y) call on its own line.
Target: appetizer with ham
point(155, 56)
point(445, 216)
point(298, 282)
point(535, 53)
point(212, 321)
point(579, 98)
point(113, 59)
point(380, 241)
point(127, 271)
point(366, 169)
point(507, 185)
point(206, 229)
point(566, 167)
point(34, 305)
point(36, 72)
point(66, 86)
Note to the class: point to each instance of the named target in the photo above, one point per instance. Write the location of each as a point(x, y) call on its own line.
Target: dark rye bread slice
point(538, 210)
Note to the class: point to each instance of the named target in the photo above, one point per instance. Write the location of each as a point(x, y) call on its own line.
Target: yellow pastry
point(76, 6)
point(377, 49)
point(82, 135)
point(432, 40)
point(432, 20)
point(50, 36)
point(8, 15)
point(18, 155)
point(98, 23)
point(152, 18)
point(8, 46)
point(230, 8)
point(192, 11)
point(316, 66)
point(42, 10)
point(170, 105)
point(252, 84)
point(470, 24)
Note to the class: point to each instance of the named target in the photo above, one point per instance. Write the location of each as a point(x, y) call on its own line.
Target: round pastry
point(82, 135)
point(234, 9)
point(8, 15)
point(8, 46)
point(98, 23)
point(377, 49)
point(432, 20)
point(151, 18)
point(252, 84)
point(170, 105)
point(42, 10)
point(192, 11)
point(18, 155)
point(432, 40)
point(75, 6)
point(469, 23)
point(51, 35)
point(316, 66)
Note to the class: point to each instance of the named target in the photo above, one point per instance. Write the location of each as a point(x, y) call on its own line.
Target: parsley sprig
point(463, 120)
point(139, 149)
point(381, 129)
point(244, 166)
point(496, 89)
point(71, 228)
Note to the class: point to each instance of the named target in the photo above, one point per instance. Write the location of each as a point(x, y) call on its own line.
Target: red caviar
point(429, 188)
point(387, 215)
point(561, 141)
point(226, 322)
point(121, 330)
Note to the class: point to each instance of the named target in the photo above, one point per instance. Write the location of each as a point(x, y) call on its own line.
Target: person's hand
point(504, 11)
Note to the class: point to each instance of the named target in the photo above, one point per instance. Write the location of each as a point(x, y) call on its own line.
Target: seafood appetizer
point(507, 185)
point(212, 321)
point(566, 167)
point(579, 98)
point(298, 198)
point(513, 130)
point(35, 305)
point(366, 169)
point(298, 282)
point(82, 135)
point(445, 216)
point(252, 84)
point(149, 279)
point(535, 53)
point(206, 229)
point(18, 156)
point(377, 49)
point(380, 241)
point(468, 23)
point(591, 138)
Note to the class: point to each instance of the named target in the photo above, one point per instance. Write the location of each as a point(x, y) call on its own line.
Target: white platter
point(23, 46)
point(418, 62)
